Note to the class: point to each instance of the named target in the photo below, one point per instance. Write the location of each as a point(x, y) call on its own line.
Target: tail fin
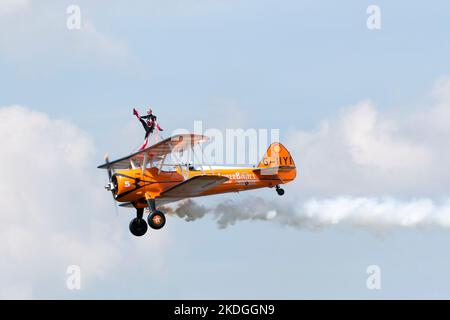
point(277, 156)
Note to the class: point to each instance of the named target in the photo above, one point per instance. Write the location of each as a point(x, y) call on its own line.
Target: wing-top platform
point(156, 152)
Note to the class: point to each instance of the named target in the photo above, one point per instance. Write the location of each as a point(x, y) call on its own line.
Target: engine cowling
point(122, 184)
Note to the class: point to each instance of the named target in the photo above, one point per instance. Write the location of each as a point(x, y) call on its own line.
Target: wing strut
point(144, 163)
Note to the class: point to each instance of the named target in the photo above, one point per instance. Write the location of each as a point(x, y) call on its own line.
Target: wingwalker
point(145, 179)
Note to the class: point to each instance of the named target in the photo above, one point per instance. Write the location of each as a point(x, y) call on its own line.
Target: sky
point(365, 114)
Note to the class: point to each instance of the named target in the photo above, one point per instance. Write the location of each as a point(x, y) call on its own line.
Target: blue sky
point(293, 65)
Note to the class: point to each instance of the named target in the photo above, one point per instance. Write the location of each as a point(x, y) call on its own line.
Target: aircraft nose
point(113, 184)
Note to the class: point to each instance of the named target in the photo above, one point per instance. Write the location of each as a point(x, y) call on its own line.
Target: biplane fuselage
point(132, 186)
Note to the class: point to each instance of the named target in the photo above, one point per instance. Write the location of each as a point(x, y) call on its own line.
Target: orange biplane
point(143, 179)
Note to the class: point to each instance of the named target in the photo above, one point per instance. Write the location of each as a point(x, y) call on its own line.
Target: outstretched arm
point(136, 113)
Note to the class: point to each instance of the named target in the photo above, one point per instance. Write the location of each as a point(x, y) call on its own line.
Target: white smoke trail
point(377, 214)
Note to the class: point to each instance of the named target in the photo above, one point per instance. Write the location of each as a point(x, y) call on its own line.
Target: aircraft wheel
point(280, 191)
point(156, 220)
point(138, 227)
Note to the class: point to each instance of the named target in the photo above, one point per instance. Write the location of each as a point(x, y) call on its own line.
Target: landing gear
point(156, 220)
point(138, 226)
point(279, 190)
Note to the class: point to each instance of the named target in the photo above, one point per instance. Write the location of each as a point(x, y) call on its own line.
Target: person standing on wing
point(149, 123)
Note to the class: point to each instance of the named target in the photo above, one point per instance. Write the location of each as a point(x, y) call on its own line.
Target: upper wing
point(192, 187)
point(157, 151)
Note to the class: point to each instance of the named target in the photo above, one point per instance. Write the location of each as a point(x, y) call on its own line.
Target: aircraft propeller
point(110, 186)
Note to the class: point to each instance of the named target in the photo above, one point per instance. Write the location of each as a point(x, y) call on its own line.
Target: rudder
point(277, 156)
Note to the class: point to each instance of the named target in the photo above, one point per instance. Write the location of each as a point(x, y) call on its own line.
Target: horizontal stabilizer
point(271, 171)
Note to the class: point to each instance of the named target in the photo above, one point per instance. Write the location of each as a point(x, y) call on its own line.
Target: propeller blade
point(116, 208)
point(109, 169)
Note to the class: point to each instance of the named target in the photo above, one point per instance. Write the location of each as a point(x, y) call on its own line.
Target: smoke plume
point(376, 214)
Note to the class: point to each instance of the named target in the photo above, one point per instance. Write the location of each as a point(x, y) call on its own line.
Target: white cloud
point(435, 120)
point(37, 37)
point(54, 211)
point(17, 292)
point(8, 7)
point(372, 141)
point(174, 8)
point(369, 152)
point(91, 37)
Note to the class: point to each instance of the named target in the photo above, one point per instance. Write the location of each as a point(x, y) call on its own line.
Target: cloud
point(434, 122)
point(8, 7)
point(37, 32)
point(366, 151)
point(174, 8)
point(54, 212)
point(372, 142)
